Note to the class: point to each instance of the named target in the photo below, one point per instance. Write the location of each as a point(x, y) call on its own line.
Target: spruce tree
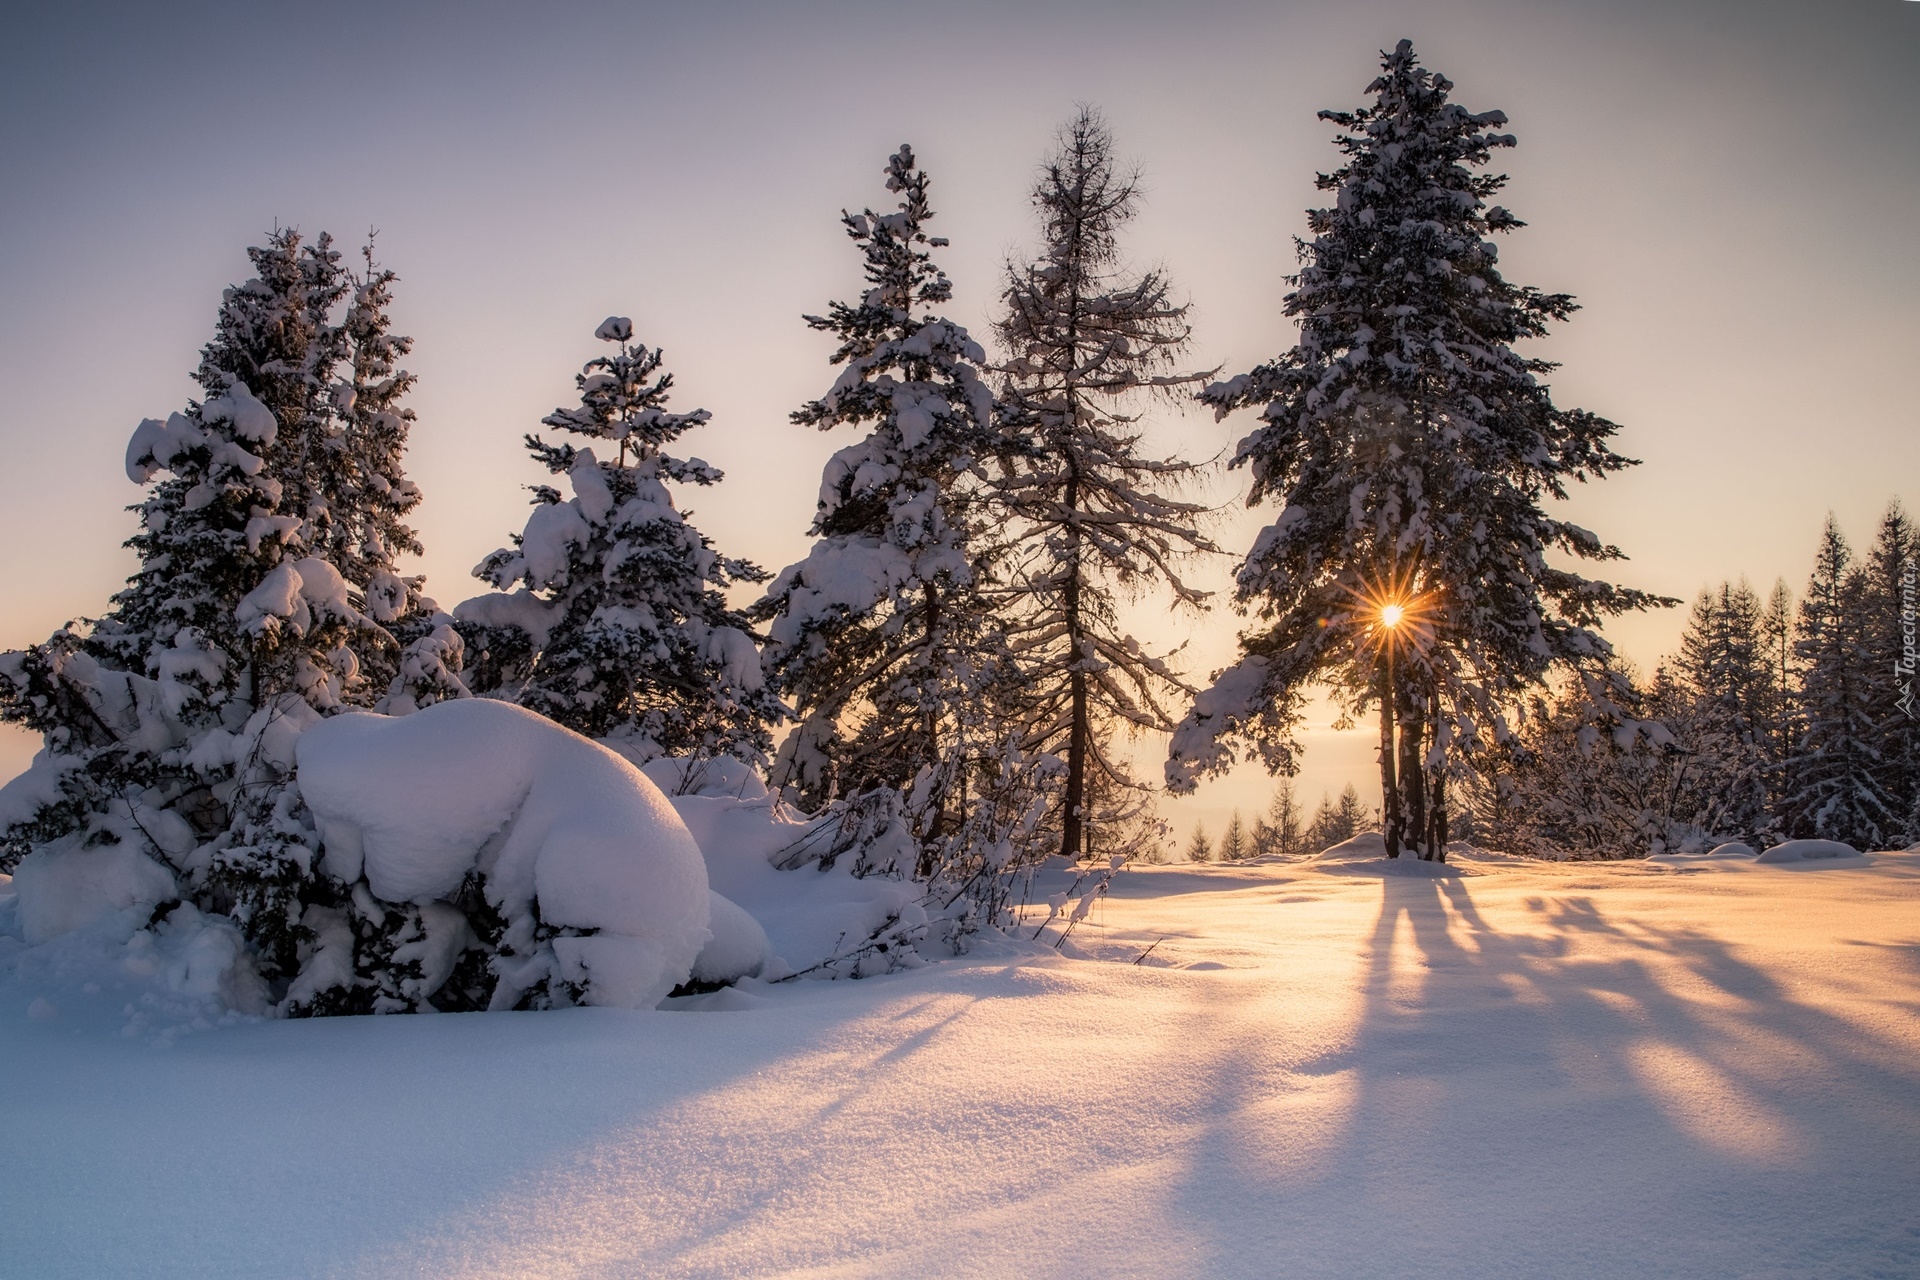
point(1834, 775)
point(1199, 848)
point(1777, 712)
point(881, 637)
point(171, 720)
point(1234, 843)
point(638, 645)
point(1410, 448)
point(884, 638)
point(1892, 596)
point(1087, 339)
point(1724, 674)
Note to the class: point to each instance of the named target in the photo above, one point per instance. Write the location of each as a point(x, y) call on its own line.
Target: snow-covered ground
point(1709, 1067)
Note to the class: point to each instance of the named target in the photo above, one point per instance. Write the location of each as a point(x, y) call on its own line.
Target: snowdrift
point(599, 882)
point(1366, 854)
point(1808, 851)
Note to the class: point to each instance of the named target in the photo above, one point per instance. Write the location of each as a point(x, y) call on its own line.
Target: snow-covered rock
point(565, 835)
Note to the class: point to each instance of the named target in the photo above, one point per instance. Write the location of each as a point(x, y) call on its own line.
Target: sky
point(1730, 189)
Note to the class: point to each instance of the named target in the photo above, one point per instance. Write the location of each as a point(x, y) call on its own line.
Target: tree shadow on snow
point(1589, 1094)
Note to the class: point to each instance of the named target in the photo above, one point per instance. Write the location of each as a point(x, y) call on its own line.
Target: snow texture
point(565, 835)
point(1521, 1069)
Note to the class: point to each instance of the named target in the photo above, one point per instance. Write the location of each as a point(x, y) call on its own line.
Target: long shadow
point(1587, 1095)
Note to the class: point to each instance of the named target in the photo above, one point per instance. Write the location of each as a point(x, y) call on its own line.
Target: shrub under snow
point(598, 888)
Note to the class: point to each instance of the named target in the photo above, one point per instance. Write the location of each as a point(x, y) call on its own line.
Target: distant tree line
point(1285, 830)
point(1780, 720)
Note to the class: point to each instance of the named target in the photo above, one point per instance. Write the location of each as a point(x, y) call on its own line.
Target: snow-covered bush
point(518, 863)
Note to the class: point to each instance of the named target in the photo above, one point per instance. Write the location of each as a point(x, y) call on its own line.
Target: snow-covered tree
point(1410, 447)
point(170, 722)
point(1281, 831)
point(1835, 788)
point(1892, 597)
point(881, 635)
point(1563, 790)
point(1336, 820)
point(883, 638)
point(627, 633)
point(1087, 339)
point(1722, 670)
point(1777, 708)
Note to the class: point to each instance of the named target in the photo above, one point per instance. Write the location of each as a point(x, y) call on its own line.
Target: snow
point(810, 916)
point(1518, 1069)
point(155, 444)
point(520, 609)
point(38, 786)
point(739, 948)
point(298, 593)
point(1808, 851)
point(251, 420)
point(65, 886)
point(550, 821)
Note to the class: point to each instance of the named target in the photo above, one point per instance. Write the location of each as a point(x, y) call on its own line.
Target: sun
point(1391, 614)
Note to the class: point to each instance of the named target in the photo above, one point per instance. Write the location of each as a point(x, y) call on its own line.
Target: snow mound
point(739, 947)
point(1366, 854)
point(601, 885)
point(110, 889)
point(815, 919)
point(1368, 846)
point(1730, 856)
point(1808, 851)
point(713, 776)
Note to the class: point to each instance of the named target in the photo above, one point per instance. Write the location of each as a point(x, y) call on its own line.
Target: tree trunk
point(1413, 786)
point(1389, 780)
point(1437, 805)
point(1073, 821)
point(930, 721)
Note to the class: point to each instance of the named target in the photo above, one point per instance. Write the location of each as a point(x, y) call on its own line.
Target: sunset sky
point(1730, 189)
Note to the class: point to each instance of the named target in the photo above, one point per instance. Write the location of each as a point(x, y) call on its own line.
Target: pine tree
point(637, 644)
point(1281, 831)
point(1199, 848)
point(1235, 846)
point(171, 720)
point(1892, 593)
point(1834, 775)
point(880, 637)
point(1723, 674)
point(1777, 710)
point(1087, 340)
point(885, 638)
point(1410, 447)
